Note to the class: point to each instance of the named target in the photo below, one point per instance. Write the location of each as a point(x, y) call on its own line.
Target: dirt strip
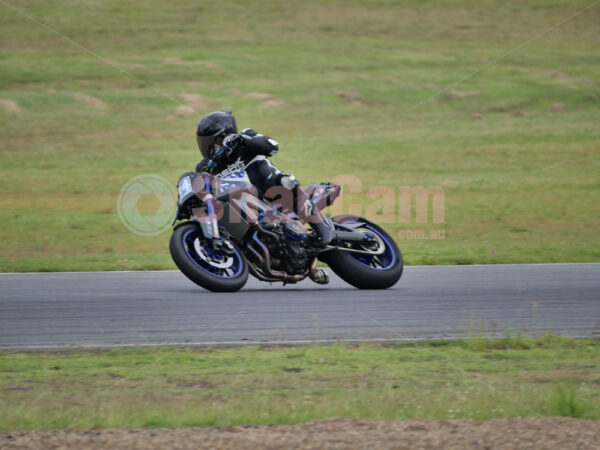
point(533, 433)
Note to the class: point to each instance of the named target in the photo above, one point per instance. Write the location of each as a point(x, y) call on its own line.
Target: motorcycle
point(224, 230)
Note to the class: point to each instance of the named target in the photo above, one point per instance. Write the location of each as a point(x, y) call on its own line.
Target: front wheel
point(197, 259)
point(366, 271)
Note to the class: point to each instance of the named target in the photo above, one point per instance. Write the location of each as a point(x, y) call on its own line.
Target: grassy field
point(515, 147)
point(475, 379)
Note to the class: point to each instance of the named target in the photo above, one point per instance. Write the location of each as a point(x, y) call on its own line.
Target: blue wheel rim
point(384, 261)
point(232, 271)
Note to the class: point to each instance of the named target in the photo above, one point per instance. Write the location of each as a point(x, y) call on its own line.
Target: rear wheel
point(362, 270)
point(198, 260)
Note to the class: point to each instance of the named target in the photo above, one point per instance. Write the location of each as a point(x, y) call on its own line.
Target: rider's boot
point(323, 232)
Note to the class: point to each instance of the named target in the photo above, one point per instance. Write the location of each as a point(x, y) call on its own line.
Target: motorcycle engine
point(296, 260)
point(289, 254)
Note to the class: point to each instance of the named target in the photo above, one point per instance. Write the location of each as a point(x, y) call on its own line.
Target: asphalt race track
point(40, 310)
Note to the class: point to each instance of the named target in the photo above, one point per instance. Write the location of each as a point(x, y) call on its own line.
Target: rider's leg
point(266, 176)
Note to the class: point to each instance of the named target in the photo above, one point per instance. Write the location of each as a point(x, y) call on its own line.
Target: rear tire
point(185, 242)
point(362, 271)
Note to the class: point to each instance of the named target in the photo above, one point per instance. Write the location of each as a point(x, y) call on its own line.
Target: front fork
point(208, 221)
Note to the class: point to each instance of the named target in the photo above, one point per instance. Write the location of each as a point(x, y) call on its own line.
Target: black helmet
point(212, 128)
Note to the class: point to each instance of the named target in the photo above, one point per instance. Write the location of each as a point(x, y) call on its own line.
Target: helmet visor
point(208, 144)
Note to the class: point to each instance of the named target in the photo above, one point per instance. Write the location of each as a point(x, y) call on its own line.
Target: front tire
point(367, 271)
point(193, 255)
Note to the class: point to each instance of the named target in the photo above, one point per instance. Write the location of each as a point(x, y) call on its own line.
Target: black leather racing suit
point(251, 154)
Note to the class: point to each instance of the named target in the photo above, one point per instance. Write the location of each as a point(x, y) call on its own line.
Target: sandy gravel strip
point(531, 433)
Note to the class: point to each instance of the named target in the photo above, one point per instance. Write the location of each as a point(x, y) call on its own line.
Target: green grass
point(521, 181)
point(474, 379)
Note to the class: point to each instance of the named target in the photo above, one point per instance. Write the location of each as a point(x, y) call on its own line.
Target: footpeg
point(319, 276)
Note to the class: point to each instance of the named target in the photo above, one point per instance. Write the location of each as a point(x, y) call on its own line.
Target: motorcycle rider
point(225, 150)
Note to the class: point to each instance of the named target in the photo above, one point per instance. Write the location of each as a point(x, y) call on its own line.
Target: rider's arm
point(257, 144)
point(254, 144)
